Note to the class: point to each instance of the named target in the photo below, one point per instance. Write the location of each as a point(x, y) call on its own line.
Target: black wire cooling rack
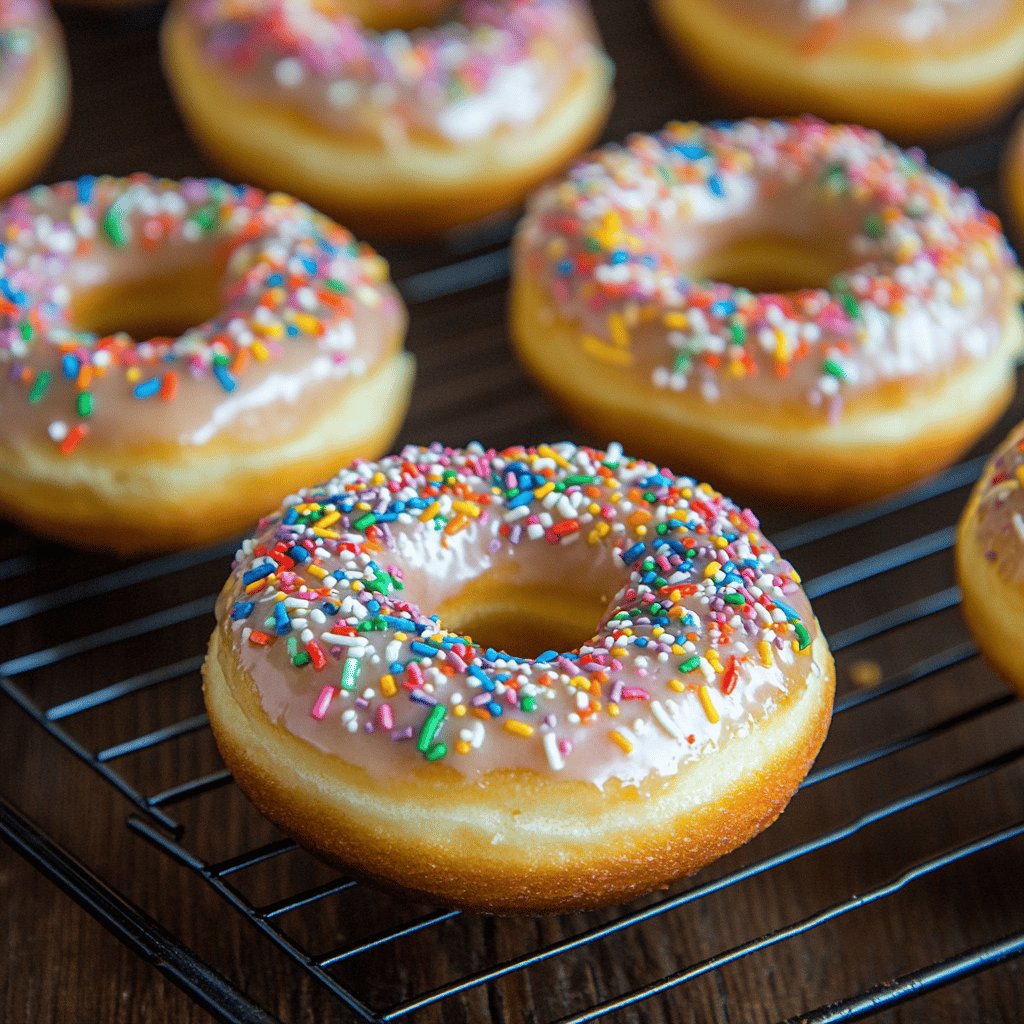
point(919, 781)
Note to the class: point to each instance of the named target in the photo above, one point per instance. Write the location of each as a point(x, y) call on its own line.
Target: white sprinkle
point(554, 755)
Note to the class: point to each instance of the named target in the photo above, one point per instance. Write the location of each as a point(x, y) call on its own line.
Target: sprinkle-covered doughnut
point(904, 310)
point(990, 559)
point(1013, 176)
point(33, 89)
point(295, 353)
point(404, 132)
point(357, 714)
point(915, 69)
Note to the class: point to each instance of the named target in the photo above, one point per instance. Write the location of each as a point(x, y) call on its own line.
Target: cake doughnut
point(865, 337)
point(397, 133)
point(516, 681)
point(1013, 176)
point(915, 69)
point(33, 90)
point(269, 346)
point(990, 559)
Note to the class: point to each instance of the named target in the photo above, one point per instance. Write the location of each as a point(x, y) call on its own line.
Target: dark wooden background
point(58, 964)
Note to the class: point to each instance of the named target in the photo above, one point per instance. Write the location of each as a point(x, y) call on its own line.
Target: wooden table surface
point(929, 723)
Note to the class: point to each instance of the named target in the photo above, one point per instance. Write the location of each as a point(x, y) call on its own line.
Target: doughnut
point(270, 346)
point(33, 90)
point(397, 133)
point(865, 337)
point(1014, 176)
point(914, 69)
point(398, 677)
point(990, 559)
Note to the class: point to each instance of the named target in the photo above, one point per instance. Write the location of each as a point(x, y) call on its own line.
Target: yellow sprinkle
point(619, 652)
point(706, 702)
point(259, 351)
point(1020, 475)
point(617, 330)
point(387, 685)
point(677, 684)
point(517, 728)
point(613, 710)
point(713, 658)
point(430, 511)
point(319, 531)
point(401, 637)
point(133, 375)
point(544, 490)
point(764, 650)
point(547, 452)
point(357, 584)
point(580, 682)
point(328, 520)
point(259, 584)
point(720, 542)
point(462, 747)
point(711, 569)
point(657, 631)
point(621, 741)
point(676, 320)
point(459, 711)
point(606, 353)
point(467, 508)
point(316, 570)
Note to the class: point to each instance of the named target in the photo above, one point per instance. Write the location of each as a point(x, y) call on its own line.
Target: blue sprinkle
point(290, 517)
point(373, 607)
point(282, 624)
point(495, 708)
point(418, 647)
point(242, 610)
point(546, 657)
point(565, 268)
point(275, 280)
point(258, 572)
point(292, 331)
point(224, 378)
point(722, 308)
point(630, 555)
point(69, 366)
point(84, 188)
point(788, 612)
point(298, 553)
point(690, 150)
point(523, 498)
point(715, 186)
point(618, 257)
point(147, 389)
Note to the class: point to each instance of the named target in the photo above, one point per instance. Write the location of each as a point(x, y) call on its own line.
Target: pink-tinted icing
point(917, 22)
point(923, 279)
point(304, 310)
point(999, 526)
point(24, 27)
point(496, 65)
point(706, 629)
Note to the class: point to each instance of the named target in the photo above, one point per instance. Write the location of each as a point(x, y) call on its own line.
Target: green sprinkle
point(364, 521)
point(873, 226)
point(735, 599)
point(681, 362)
point(336, 286)
point(851, 305)
point(39, 387)
point(737, 332)
point(84, 404)
point(830, 366)
point(350, 673)
point(690, 664)
point(436, 752)
point(429, 730)
point(115, 228)
point(206, 217)
point(528, 703)
point(803, 638)
point(25, 330)
point(580, 479)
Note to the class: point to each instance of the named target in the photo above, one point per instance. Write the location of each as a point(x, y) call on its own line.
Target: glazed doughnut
point(295, 358)
point(1013, 176)
point(520, 770)
point(915, 69)
point(33, 90)
point(881, 347)
point(397, 133)
point(990, 559)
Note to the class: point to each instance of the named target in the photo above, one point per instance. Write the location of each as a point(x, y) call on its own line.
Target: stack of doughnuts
point(873, 343)
point(290, 359)
point(915, 69)
point(33, 90)
point(665, 694)
point(397, 133)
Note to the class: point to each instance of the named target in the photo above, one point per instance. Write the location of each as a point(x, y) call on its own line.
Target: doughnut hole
point(395, 16)
point(521, 600)
point(161, 303)
point(773, 263)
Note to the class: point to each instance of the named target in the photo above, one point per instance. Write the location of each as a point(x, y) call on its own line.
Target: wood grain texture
point(56, 964)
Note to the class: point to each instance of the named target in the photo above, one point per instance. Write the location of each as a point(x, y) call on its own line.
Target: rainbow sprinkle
point(707, 630)
point(1000, 515)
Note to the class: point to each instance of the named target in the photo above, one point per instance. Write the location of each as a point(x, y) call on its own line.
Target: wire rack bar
point(832, 913)
point(918, 983)
point(904, 615)
point(185, 727)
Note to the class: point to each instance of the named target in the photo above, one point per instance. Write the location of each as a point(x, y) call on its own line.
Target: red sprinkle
point(73, 439)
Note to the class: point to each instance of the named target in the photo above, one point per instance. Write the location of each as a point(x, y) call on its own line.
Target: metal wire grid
point(156, 820)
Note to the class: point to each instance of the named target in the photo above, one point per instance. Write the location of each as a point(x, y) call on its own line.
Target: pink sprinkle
point(323, 702)
point(385, 716)
point(414, 673)
point(635, 693)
